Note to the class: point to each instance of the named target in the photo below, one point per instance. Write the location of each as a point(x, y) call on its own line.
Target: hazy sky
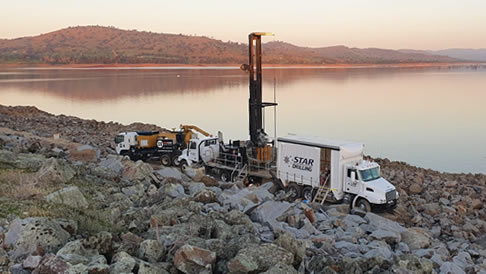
point(395, 24)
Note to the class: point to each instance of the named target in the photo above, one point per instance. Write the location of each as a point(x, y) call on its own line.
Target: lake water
point(429, 117)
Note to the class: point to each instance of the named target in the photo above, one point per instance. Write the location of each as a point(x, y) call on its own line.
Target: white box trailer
point(305, 164)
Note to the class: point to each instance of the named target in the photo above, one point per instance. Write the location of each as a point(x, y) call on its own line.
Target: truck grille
point(391, 195)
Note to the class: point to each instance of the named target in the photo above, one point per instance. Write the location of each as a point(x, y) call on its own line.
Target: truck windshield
point(370, 174)
point(119, 139)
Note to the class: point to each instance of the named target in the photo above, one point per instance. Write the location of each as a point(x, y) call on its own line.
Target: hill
point(477, 55)
point(108, 45)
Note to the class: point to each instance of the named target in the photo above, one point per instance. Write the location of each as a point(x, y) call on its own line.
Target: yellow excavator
point(166, 145)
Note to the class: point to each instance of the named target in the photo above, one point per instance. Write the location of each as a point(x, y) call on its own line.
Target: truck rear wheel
point(308, 193)
point(165, 159)
point(294, 191)
point(175, 161)
point(225, 176)
point(363, 205)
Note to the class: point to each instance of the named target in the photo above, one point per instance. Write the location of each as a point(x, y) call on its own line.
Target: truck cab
point(200, 151)
point(124, 141)
point(362, 180)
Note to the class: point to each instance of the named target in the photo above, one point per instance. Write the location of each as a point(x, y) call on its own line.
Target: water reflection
point(433, 117)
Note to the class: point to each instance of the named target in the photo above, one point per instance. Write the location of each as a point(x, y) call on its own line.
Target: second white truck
point(317, 169)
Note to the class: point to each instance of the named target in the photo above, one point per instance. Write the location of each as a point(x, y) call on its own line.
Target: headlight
point(160, 143)
point(397, 194)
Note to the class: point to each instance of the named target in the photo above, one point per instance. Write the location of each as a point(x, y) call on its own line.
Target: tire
point(296, 191)
point(183, 166)
point(363, 205)
point(165, 159)
point(308, 193)
point(175, 161)
point(225, 176)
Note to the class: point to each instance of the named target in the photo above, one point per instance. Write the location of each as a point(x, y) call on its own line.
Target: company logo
point(301, 163)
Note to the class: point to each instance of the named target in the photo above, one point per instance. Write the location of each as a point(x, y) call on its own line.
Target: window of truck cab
point(370, 174)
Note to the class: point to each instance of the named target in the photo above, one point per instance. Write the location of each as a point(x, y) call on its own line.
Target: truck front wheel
point(294, 191)
point(184, 166)
point(165, 159)
point(363, 205)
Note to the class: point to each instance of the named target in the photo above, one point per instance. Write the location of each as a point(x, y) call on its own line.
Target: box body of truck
point(304, 160)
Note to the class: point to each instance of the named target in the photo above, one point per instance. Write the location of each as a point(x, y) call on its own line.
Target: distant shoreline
point(236, 66)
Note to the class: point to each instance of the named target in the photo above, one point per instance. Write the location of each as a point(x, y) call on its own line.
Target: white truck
point(309, 166)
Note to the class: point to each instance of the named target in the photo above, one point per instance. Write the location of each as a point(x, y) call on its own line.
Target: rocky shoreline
point(69, 205)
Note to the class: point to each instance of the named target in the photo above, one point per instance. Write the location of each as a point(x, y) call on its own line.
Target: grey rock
point(194, 188)
point(135, 192)
point(376, 222)
point(191, 259)
point(463, 259)
point(352, 221)
point(260, 258)
point(296, 247)
point(389, 236)
point(55, 171)
point(416, 238)
point(170, 172)
point(122, 262)
point(31, 262)
point(349, 247)
point(113, 164)
point(74, 253)
point(148, 268)
point(269, 211)
point(451, 268)
point(70, 196)
point(174, 190)
point(136, 170)
point(151, 251)
point(26, 235)
point(281, 269)
point(379, 252)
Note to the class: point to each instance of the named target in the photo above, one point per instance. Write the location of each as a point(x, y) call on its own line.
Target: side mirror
point(353, 176)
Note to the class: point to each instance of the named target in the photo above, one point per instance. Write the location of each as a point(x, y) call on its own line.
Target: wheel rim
point(308, 194)
point(184, 166)
point(224, 177)
point(293, 193)
point(176, 162)
point(165, 161)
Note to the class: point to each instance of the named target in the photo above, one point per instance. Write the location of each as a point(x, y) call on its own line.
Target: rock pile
point(112, 215)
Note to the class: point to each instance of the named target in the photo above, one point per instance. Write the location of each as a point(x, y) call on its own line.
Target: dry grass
point(20, 185)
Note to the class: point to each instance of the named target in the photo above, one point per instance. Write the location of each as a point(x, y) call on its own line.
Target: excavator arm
point(188, 131)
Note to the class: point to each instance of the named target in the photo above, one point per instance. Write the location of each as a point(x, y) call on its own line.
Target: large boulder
point(296, 247)
point(55, 171)
point(191, 259)
point(28, 235)
point(52, 264)
point(122, 262)
point(151, 251)
point(31, 162)
point(376, 222)
point(70, 196)
point(269, 211)
point(258, 258)
point(136, 170)
point(416, 238)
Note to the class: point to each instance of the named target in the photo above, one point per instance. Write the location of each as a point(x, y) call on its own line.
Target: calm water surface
point(434, 117)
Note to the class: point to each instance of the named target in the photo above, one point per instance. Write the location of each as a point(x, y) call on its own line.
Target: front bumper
point(389, 205)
